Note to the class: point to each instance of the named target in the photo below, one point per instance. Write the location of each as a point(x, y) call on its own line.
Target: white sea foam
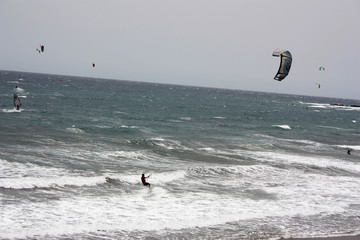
point(18, 89)
point(319, 106)
point(124, 154)
point(169, 144)
point(355, 147)
point(125, 126)
point(277, 193)
point(286, 127)
point(14, 110)
point(46, 182)
point(27, 176)
point(304, 141)
point(74, 130)
point(330, 106)
point(307, 160)
point(17, 175)
point(175, 121)
point(18, 170)
point(167, 177)
point(13, 82)
point(102, 126)
point(186, 118)
point(207, 149)
point(337, 128)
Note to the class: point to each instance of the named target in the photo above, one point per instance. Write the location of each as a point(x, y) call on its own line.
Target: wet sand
point(353, 237)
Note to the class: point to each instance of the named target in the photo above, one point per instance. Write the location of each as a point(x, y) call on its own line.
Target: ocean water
point(224, 164)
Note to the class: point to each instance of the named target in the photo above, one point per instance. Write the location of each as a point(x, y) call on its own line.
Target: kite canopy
point(42, 49)
point(321, 68)
point(285, 63)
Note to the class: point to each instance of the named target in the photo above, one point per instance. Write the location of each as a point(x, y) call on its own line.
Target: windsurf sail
point(285, 63)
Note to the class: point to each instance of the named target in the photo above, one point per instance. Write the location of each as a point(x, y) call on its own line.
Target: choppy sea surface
point(224, 164)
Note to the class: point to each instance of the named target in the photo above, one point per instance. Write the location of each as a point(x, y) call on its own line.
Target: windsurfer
point(17, 102)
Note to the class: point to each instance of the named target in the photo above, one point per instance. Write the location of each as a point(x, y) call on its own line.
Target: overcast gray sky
point(211, 43)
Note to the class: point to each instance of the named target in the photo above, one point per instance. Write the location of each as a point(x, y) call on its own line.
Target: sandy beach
point(352, 237)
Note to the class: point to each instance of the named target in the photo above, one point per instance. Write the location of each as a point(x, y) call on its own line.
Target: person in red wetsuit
point(17, 102)
point(143, 180)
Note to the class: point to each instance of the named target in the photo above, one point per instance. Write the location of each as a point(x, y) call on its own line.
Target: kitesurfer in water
point(349, 151)
point(17, 102)
point(143, 180)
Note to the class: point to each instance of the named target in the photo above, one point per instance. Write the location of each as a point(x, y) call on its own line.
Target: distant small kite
point(93, 64)
point(42, 49)
point(321, 69)
point(318, 84)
